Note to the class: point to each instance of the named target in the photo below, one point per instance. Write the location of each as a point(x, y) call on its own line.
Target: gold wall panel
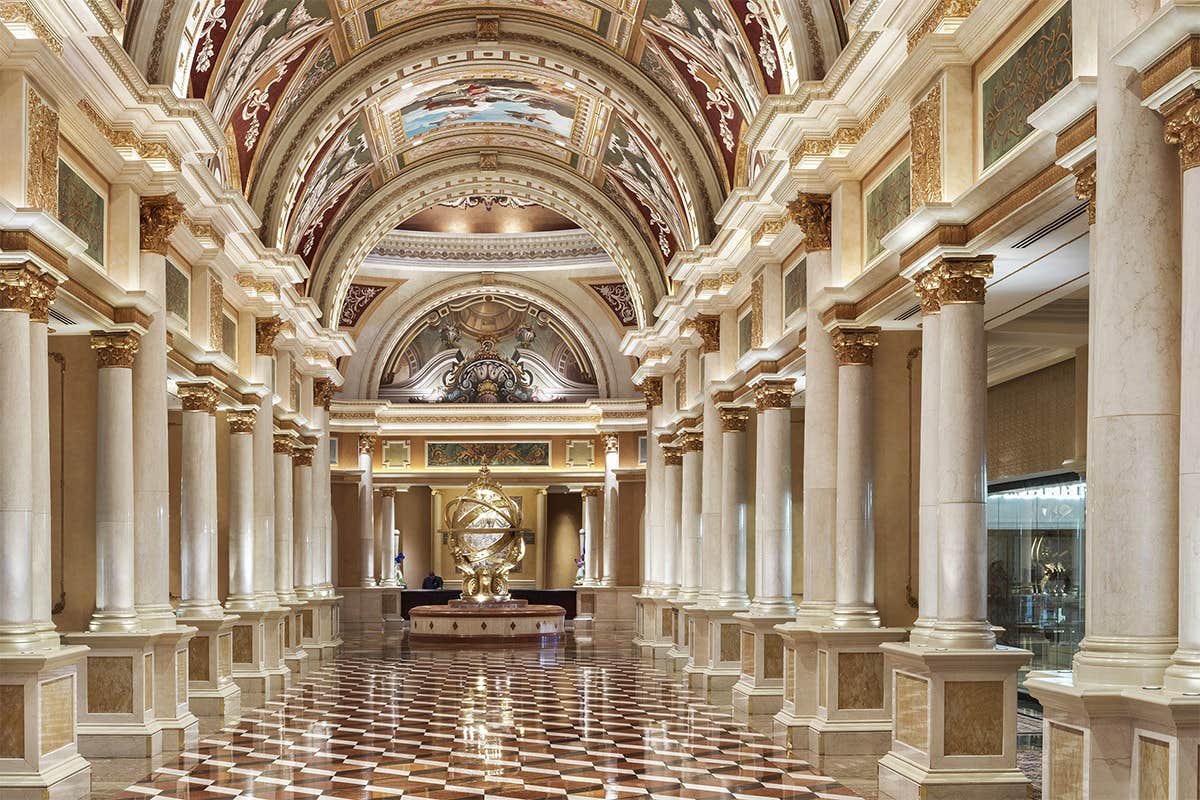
point(243, 644)
point(1065, 781)
point(1031, 423)
point(110, 685)
point(772, 656)
point(58, 713)
point(973, 720)
point(1154, 769)
point(198, 666)
point(12, 720)
point(860, 680)
point(912, 711)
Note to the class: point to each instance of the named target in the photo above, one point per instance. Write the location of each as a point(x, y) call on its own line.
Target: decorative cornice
point(266, 329)
point(241, 420)
point(813, 213)
point(115, 349)
point(963, 280)
point(774, 394)
point(201, 396)
point(130, 140)
point(734, 419)
point(159, 215)
point(855, 346)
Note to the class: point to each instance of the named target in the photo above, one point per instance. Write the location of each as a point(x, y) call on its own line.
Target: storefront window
point(1035, 568)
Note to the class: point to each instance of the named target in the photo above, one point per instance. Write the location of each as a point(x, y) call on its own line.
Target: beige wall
point(565, 518)
point(630, 507)
point(413, 517)
point(1031, 423)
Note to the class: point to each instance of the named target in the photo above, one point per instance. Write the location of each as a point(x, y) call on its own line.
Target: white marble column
point(242, 542)
point(322, 515)
point(733, 509)
point(854, 598)
point(17, 631)
point(612, 526)
point(540, 520)
point(961, 460)
point(115, 550)
point(265, 331)
point(672, 458)
point(158, 217)
point(692, 445)
point(773, 500)
point(304, 576)
point(652, 536)
point(366, 510)
point(927, 514)
point(437, 501)
point(591, 529)
point(388, 556)
point(198, 502)
point(710, 491)
point(284, 447)
point(42, 292)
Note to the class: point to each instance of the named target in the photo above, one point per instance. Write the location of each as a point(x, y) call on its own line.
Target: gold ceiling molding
point(487, 29)
point(1185, 56)
point(853, 312)
point(942, 10)
point(41, 178)
point(1075, 134)
point(128, 139)
point(770, 227)
point(205, 230)
point(711, 283)
point(22, 13)
point(846, 136)
point(926, 148)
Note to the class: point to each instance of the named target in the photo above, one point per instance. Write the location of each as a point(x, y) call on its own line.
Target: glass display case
point(1035, 567)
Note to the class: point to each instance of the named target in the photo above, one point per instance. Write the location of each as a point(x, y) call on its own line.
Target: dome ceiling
point(624, 117)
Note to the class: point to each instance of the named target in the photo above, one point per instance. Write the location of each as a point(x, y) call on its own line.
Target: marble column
point(854, 598)
point(198, 502)
point(42, 292)
point(652, 544)
point(322, 550)
point(17, 630)
point(612, 522)
point(266, 329)
point(773, 500)
point(366, 510)
point(591, 527)
point(927, 514)
point(242, 542)
point(692, 445)
point(672, 457)
point(540, 520)
point(710, 496)
point(284, 448)
point(302, 520)
point(437, 501)
point(388, 556)
point(115, 550)
point(961, 460)
point(733, 509)
point(159, 215)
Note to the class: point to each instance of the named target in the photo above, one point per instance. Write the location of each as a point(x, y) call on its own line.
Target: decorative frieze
point(855, 346)
point(201, 396)
point(813, 214)
point(159, 216)
point(41, 169)
point(926, 132)
point(115, 349)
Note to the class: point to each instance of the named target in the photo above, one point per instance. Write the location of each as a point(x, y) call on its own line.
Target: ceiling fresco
point(647, 102)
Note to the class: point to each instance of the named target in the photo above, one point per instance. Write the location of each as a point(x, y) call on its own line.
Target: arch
point(553, 185)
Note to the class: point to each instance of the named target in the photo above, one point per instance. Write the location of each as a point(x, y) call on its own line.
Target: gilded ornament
point(489, 162)
point(41, 294)
point(323, 389)
point(734, 419)
point(591, 491)
point(16, 288)
point(366, 443)
point(216, 317)
point(672, 455)
point(115, 349)
point(927, 283)
point(1183, 129)
point(756, 312)
point(1085, 187)
point(200, 396)
point(387, 491)
point(241, 420)
point(487, 29)
point(283, 444)
point(124, 139)
point(855, 346)
point(770, 227)
point(709, 328)
point(160, 215)
point(205, 230)
point(692, 443)
point(266, 329)
point(963, 280)
point(302, 455)
point(774, 394)
point(652, 389)
point(611, 443)
point(22, 12)
point(41, 180)
point(945, 9)
point(926, 132)
point(813, 213)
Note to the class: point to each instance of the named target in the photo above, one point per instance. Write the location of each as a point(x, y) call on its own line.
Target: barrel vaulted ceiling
point(345, 117)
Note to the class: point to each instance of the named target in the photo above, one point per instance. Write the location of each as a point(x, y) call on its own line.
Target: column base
point(172, 709)
point(1107, 742)
point(853, 696)
point(39, 756)
point(258, 668)
point(320, 629)
point(294, 655)
point(116, 695)
point(212, 695)
point(955, 723)
point(759, 687)
point(657, 621)
point(798, 708)
point(714, 655)
point(364, 608)
point(606, 608)
point(390, 602)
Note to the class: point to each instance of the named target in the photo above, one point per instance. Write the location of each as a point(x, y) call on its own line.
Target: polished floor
point(584, 720)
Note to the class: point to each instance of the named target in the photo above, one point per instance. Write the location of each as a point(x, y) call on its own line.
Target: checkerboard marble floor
point(392, 720)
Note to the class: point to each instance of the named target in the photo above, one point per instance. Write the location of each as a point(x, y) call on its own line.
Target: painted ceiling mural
point(255, 62)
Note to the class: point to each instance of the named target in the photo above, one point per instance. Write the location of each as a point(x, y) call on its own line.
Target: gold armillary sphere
point(486, 537)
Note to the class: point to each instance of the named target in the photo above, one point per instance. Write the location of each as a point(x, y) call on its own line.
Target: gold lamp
point(486, 538)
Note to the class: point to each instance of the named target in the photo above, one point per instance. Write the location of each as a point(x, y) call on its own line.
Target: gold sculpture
point(486, 538)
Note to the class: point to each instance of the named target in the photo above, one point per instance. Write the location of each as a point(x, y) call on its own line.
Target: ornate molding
point(611, 443)
point(734, 419)
point(1085, 187)
point(159, 216)
point(855, 346)
point(115, 349)
point(692, 443)
point(672, 455)
point(813, 213)
point(709, 328)
point(323, 390)
point(926, 132)
point(943, 10)
point(16, 288)
point(963, 280)
point(774, 394)
point(517, 247)
point(926, 283)
point(198, 397)
point(366, 443)
point(41, 294)
point(216, 314)
point(652, 390)
point(266, 329)
point(1183, 128)
point(41, 173)
point(130, 140)
point(241, 420)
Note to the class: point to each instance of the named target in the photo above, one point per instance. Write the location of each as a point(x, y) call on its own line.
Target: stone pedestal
point(116, 696)
point(259, 668)
point(759, 687)
point(854, 697)
point(677, 655)
point(320, 629)
point(172, 710)
point(656, 618)
point(294, 655)
point(39, 758)
point(798, 709)
point(364, 608)
point(606, 608)
point(955, 732)
point(212, 694)
point(389, 603)
point(714, 649)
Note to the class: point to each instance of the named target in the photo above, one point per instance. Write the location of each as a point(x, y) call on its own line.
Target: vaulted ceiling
point(344, 118)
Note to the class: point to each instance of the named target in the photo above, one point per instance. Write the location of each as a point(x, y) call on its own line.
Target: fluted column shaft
point(591, 527)
point(115, 550)
point(284, 447)
point(43, 291)
point(733, 508)
point(198, 502)
point(671, 501)
point(773, 500)
point(927, 514)
point(388, 556)
point(689, 516)
point(854, 598)
point(612, 522)
point(241, 510)
point(302, 522)
point(366, 510)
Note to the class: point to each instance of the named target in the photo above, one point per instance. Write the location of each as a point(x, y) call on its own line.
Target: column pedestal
point(677, 655)
point(798, 709)
point(955, 735)
point(854, 698)
point(714, 650)
point(212, 694)
point(181, 727)
point(116, 695)
point(320, 629)
point(364, 608)
point(294, 655)
point(759, 687)
point(258, 666)
point(657, 615)
point(40, 760)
